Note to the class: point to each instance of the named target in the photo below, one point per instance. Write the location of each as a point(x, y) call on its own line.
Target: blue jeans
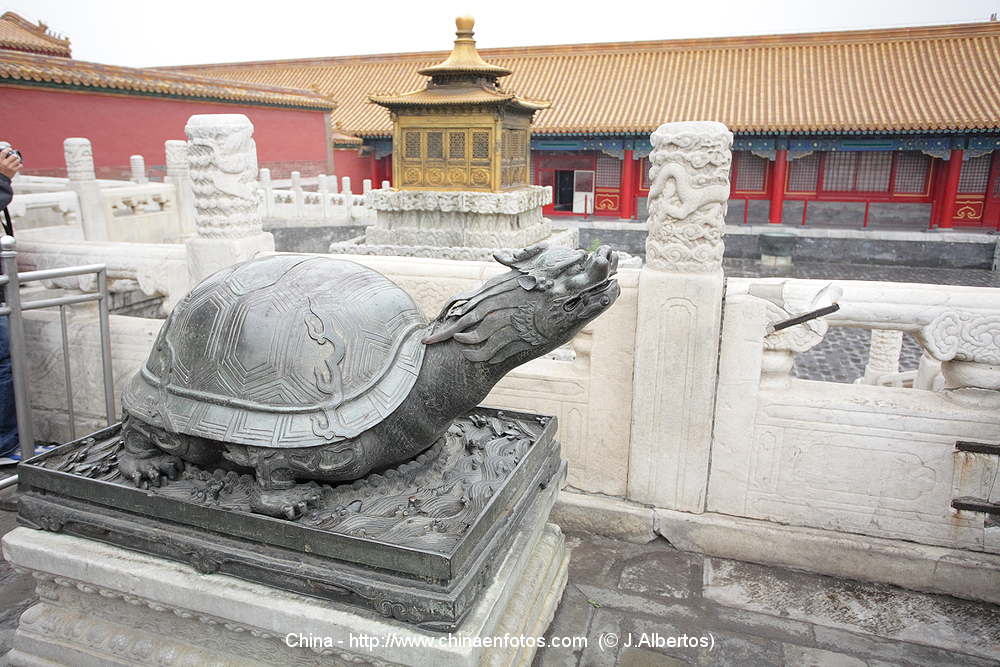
point(8, 414)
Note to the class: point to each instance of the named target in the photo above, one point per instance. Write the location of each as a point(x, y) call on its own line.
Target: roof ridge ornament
point(464, 58)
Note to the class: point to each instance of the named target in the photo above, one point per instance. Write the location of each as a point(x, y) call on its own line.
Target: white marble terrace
point(677, 412)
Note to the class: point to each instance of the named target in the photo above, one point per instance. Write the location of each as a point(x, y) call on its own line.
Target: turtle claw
point(288, 504)
point(149, 471)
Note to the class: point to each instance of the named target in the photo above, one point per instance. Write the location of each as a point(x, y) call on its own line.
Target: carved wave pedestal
point(105, 605)
point(456, 225)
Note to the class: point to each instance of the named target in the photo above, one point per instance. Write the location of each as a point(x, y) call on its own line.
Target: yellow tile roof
point(19, 34)
point(18, 68)
point(933, 78)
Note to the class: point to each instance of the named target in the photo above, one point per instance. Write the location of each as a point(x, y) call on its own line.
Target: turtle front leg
point(276, 493)
point(142, 460)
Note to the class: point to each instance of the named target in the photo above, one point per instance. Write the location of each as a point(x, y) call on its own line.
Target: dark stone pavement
point(642, 598)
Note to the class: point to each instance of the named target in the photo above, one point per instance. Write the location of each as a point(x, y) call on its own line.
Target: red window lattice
point(838, 171)
point(749, 172)
point(644, 170)
point(975, 175)
point(912, 168)
point(873, 171)
point(803, 173)
point(609, 171)
point(857, 172)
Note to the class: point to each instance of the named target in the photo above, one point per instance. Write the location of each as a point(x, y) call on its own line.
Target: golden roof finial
point(464, 58)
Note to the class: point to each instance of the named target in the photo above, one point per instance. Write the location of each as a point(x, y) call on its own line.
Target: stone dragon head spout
point(545, 299)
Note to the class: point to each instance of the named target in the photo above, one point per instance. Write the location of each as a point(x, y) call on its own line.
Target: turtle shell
point(282, 351)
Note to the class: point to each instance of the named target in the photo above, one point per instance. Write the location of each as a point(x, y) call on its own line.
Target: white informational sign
point(583, 192)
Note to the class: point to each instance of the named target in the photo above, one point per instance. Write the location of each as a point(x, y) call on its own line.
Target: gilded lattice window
point(803, 173)
point(456, 146)
point(480, 145)
point(609, 171)
point(975, 175)
point(411, 145)
point(911, 172)
point(435, 145)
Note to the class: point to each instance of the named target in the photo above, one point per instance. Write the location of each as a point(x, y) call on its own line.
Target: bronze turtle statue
point(303, 367)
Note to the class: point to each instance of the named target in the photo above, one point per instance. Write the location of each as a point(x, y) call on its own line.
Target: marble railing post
point(323, 187)
point(883, 354)
point(386, 186)
point(679, 316)
point(222, 159)
point(366, 186)
point(298, 196)
point(268, 188)
point(180, 177)
point(348, 198)
point(83, 181)
point(137, 166)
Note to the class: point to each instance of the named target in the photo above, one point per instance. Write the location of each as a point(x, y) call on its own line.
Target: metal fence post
point(102, 305)
point(18, 349)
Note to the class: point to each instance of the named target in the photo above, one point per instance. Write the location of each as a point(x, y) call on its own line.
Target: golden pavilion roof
point(28, 69)
point(886, 80)
point(464, 58)
point(464, 78)
point(19, 34)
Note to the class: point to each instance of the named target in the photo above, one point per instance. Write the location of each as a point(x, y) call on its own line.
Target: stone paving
point(632, 602)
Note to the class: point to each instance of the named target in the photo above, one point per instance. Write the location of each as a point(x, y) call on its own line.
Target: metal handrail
point(14, 309)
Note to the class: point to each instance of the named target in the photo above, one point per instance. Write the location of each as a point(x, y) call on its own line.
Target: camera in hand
point(7, 149)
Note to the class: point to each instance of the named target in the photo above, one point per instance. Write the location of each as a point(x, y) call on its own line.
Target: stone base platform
point(104, 605)
point(510, 219)
point(565, 237)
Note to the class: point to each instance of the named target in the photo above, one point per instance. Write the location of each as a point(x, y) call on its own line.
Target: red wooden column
point(950, 189)
point(991, 210)
point(628, 190)
point(778, 174)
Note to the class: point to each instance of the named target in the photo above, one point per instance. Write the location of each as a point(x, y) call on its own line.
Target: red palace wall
point(350, 162)
point(37, 120)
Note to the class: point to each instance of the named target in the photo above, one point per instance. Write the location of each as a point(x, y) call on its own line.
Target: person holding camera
point(10, 164)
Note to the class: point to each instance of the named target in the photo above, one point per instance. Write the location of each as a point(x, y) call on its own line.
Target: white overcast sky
point(143, 33)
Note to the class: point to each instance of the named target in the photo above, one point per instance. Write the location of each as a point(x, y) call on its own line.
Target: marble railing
point(34, 210)
point(291, 203)
point(865, 458)
point(146, 213)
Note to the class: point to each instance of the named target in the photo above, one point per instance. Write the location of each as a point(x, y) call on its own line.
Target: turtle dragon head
point(545, 299)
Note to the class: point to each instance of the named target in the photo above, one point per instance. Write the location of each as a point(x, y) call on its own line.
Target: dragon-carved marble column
point(222, 162)
point(679, 316)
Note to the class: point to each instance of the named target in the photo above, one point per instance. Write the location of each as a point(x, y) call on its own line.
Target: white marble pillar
point(679, 316)
point(178, 174)
point(137, 166)
point(83, 181)
point(222, 160)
